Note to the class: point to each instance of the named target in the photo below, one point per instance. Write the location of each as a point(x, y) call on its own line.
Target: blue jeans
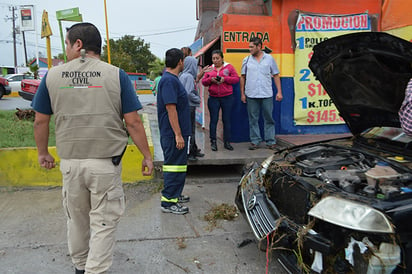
point(215, 104)
point(254, 105)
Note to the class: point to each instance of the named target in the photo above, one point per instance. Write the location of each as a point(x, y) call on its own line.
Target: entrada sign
point(244, 36)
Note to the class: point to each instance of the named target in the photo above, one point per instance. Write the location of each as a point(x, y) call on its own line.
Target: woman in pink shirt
point(220, 81)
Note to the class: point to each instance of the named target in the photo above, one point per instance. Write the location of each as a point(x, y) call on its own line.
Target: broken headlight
point(350, 214)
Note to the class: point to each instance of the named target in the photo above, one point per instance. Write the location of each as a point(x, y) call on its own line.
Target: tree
point(129, 53)
point(59, 56)
point(156, 67)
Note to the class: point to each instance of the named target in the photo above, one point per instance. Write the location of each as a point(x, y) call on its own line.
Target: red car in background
point(5, 88)
point(29, 88)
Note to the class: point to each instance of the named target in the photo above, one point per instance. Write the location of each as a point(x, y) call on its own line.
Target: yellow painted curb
point(144, 91)
point(19, 166)
point(13, 94)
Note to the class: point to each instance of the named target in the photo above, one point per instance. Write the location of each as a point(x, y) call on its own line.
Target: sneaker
point(253, 146)
point(183, 199)
point(191, 158)
point(175, 209)
point(199, 154)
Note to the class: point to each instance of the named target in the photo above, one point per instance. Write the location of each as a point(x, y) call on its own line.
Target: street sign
point(69, 15)
point(45, 25)
point(26, 18)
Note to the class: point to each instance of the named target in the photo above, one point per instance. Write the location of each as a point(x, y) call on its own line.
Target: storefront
point(289, 30)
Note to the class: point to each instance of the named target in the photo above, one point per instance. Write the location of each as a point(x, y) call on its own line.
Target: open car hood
point(365, 74)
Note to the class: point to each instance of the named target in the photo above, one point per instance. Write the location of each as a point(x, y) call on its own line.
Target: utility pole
point(13, 18)
point(25, 49)
point(14, 39)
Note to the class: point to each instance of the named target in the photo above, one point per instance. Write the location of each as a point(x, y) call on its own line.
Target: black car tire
point(2, 91)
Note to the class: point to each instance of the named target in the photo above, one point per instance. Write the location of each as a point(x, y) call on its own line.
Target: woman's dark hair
point(88, 34)
point(218, 51)
point(173, 56)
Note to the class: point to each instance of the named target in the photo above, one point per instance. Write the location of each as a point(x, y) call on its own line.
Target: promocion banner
point(312, 105)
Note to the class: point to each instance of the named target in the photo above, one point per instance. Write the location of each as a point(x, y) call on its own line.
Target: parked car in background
point(15, 80)
point(29, 88)
point(343, 205)
point(5, 89)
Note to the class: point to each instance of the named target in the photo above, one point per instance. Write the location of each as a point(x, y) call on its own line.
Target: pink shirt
point(230, 76)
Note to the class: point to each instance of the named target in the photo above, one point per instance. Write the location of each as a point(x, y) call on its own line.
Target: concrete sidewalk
point(33, 225)
point(33, 234)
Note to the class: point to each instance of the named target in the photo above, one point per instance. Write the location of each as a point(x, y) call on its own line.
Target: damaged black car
point(343, 205)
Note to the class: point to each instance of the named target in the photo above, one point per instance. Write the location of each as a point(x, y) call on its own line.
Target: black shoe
point(78, 271)
point(213, 145)
point(175, 209)
point(191, 158)
point(228, 146)
point(199, 154)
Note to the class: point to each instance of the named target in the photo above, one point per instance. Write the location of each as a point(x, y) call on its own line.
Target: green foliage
point(129, 53)
point(156, 67)
point(19, 133)
point(59, 56)
point(35, 70)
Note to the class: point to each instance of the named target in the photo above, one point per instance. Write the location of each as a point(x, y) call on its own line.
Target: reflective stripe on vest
point(173, 200)
point(170, 168)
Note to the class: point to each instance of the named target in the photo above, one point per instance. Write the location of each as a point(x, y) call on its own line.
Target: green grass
point(19, 133)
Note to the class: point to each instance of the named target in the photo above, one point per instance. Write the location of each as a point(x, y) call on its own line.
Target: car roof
point(14, 74)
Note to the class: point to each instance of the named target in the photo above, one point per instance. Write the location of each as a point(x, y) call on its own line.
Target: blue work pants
point(174, 169)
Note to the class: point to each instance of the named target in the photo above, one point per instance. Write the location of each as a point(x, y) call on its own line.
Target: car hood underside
point(365, 74)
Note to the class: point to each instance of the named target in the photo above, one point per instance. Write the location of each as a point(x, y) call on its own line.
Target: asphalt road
point(11, 103)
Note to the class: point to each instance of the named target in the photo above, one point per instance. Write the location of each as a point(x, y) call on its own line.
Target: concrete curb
point(13, 94)
point(19, 166)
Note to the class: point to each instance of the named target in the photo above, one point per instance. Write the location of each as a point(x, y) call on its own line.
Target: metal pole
point(25, 49)
point(62, 38)
point(37, 42)
point(14, 41)
point(107, 34)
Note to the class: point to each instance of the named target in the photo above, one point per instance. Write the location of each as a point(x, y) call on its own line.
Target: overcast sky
point(162, 23)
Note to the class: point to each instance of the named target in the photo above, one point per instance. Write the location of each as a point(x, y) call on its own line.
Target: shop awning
point(206, 47)
point(396, 14)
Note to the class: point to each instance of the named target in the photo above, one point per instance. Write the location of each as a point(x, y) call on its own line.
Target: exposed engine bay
point(351, 170)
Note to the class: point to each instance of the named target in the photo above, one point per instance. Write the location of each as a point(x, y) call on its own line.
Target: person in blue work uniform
point(173, 114)
point(91, 101)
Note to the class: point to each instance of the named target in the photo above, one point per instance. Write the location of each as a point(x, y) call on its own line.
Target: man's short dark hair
point(256, 41)
point(173, 56)
point(88, 34)
point(186, 51)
